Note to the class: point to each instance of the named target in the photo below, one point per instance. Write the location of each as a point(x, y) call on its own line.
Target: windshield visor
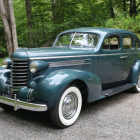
point(78, 39)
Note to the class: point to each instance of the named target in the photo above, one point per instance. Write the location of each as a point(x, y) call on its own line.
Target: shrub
point(1, 61)
point(125, 22)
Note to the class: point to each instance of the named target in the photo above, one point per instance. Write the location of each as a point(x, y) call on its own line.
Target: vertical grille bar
point(19, 73)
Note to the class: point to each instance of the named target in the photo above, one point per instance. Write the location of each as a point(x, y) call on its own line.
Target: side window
point(111, 43)
point(127, 42)
point(136, 43)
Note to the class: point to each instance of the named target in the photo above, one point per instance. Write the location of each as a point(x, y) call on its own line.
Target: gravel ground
point(116, 117)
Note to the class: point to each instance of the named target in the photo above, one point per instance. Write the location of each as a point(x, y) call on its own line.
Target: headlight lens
point(5, 64)
point(33, 67)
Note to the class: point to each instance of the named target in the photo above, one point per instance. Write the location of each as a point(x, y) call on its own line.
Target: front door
point(109, 68)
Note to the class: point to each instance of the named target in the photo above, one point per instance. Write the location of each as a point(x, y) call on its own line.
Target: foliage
point(1, 61)
point(3, 51)
point(50, 17)
point(125, 22)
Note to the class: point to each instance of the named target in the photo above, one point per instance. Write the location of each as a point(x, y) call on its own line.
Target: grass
point(1, 61)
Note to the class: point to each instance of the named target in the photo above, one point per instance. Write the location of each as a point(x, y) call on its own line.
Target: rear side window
point(136, 43)
point(127, 42)
point(111, 43)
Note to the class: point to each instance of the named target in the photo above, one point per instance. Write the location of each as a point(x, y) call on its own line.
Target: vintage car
point(91, 63)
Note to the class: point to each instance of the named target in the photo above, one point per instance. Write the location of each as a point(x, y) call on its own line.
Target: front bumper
point(17, 104)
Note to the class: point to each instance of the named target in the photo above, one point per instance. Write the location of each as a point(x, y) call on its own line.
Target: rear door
point(129, 54)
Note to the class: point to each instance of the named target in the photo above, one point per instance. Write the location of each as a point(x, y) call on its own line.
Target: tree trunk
point(112, 15)
point(124, 5)
point(54, 11)
point(6, 6)
point(43, 27)
point(8, 20)
point(13, 26)
point(29, 15)
point(7, 29)
point(133, 7)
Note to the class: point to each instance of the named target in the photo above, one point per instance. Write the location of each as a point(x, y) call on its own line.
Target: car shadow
point(43, 118)
point(40, 118)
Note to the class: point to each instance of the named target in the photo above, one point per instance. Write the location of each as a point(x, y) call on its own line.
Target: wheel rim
point(69, 106)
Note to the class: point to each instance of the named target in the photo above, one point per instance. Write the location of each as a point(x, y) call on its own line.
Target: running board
point(112, 91)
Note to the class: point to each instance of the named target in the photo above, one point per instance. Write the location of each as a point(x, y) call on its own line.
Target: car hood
point(48, 52)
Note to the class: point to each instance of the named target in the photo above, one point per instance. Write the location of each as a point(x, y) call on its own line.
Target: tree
point(124, 5)
point(110, 7)
point(8, 20)
point(29, 16)
point(133, 7)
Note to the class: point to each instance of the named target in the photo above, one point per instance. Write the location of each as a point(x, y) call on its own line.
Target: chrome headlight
point(5, 64)
point(33, 67)
point(38, 65)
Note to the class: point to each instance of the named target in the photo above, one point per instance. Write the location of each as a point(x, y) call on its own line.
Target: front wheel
point(67, 110)
point(136, 89)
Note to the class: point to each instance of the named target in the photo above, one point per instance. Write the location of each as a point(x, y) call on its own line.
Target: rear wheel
point(67, 110)
point(136, 89)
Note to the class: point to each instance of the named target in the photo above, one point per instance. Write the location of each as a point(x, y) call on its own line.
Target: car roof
point(99, 30)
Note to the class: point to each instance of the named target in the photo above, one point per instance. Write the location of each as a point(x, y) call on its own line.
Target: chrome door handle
point(124, 57)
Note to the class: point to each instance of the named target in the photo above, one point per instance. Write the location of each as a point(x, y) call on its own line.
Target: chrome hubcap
point(69, 106)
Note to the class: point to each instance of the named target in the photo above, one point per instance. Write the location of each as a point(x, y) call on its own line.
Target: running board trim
point(112, 91)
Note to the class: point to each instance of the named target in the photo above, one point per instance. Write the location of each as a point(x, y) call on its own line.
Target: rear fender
point(135, 71)
point(50, 87)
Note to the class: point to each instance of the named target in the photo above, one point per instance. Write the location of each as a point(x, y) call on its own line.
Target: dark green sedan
point(91, 63)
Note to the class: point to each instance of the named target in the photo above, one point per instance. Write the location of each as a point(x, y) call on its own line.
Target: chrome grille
point(19, 73)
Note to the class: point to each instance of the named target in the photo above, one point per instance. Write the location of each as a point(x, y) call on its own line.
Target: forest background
point(38, 22)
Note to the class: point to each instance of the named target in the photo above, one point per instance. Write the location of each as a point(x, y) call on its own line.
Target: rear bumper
point(17, 104)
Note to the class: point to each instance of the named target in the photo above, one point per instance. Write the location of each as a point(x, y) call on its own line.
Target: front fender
point(4, 74)
point(50, 87)
point(135, 71)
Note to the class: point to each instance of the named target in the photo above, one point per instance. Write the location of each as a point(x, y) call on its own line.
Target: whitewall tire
point(67, 110)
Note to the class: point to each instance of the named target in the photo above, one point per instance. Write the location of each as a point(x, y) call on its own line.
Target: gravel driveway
point(116, 117)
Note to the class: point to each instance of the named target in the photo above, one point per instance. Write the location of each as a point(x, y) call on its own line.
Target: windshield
point(78, 39)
